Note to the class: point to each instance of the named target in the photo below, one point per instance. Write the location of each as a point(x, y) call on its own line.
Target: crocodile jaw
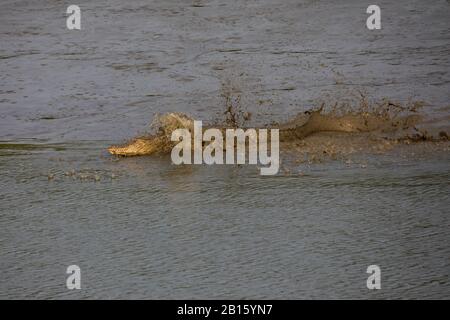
point(136, 148)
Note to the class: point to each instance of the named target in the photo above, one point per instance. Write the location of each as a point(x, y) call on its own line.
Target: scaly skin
point(139, 146)
point(316, 123)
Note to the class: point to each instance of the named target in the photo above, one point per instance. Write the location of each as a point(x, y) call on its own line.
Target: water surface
point(143, 228)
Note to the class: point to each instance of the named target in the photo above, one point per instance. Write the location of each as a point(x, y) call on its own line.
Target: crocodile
point(303, 126)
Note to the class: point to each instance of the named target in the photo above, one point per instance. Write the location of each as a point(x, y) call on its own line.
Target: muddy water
point(143, 228)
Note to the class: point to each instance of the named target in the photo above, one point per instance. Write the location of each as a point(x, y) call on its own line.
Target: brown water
point(143, 228)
